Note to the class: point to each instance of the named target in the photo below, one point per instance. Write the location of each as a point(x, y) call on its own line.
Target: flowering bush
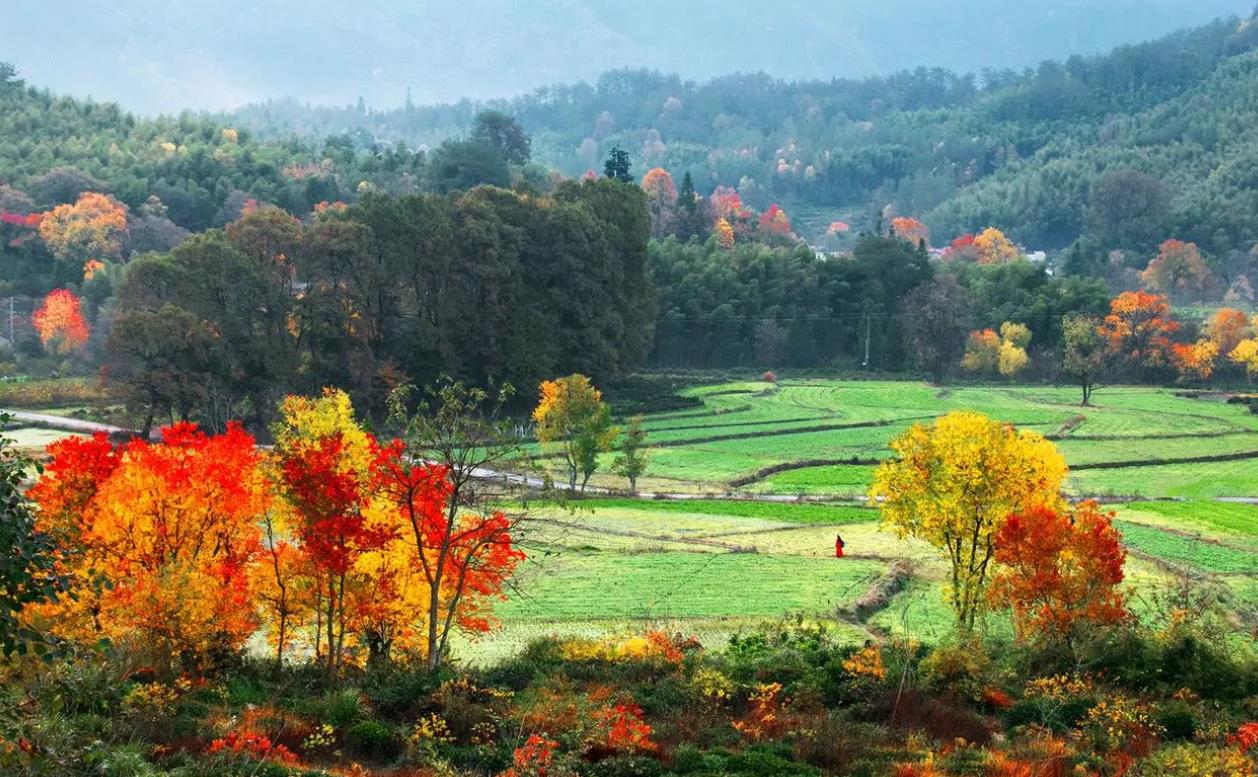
point(254, 747)
point(866, 664)
point(1119, 724)
point(767, 718)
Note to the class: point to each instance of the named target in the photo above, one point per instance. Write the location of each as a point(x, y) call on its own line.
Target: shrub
point(471, 712)
point(1188, 760)
point(1177, 719)
point(963, 667)
point(626, 766)
point(373, 739)
point(342, 708)
point(395, 694)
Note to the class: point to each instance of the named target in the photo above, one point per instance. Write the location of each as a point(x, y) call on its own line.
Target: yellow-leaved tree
point(955, 482)
point(571, 417)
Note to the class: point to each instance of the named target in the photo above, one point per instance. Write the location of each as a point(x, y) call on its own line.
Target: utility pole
point(11, 342)
point(868, 327)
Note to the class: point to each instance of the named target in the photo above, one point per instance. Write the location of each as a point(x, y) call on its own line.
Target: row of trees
point(333, 543)
point(872, 309)
point(491, 286)
point(1013, 149)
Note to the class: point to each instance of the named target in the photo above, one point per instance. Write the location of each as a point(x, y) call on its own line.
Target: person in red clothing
point(838, 546)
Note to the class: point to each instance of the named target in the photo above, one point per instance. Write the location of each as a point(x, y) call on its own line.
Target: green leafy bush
point(373, 739)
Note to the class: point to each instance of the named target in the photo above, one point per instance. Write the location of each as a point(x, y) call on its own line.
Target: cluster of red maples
point(334, 541)
point(733, 220)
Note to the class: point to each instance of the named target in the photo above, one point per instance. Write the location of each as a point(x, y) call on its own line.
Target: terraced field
point(714, 567)
point(822, 438)
point(710, 567)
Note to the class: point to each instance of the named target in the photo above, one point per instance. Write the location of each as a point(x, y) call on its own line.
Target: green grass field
point(818, 437)
point(712, 566)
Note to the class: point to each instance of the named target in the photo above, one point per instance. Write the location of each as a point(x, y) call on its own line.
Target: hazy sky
point(165, 55)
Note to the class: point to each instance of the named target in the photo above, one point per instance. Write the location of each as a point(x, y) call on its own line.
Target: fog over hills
point(169, 55)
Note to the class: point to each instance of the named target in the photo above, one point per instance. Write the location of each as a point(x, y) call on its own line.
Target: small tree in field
point(1059, 573)
point(632, 460)
point(465, 548)
point(1086, 351)
point(954, 483)
point(572, 417)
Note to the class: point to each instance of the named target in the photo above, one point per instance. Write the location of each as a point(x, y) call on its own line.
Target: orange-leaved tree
point(60, 323)
point(775, 225)
point(910, 229)
point(994, 248)
point(1060, 573)
point(1138, 329)
point(441, 481)
point(1178, 269)
point(465, 557)
point(661, 199)
point(1195, 361)
point(1228, 327)
point(724, 234)
point(953, 483)
point(982, 352)
point(170, 529)
point(92, 228)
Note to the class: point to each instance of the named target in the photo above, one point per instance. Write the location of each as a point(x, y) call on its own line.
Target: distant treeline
point(490, 286)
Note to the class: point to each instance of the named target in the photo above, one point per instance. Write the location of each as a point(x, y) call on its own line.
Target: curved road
point(65, 424)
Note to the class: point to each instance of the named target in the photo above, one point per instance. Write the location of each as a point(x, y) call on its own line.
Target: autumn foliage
point(92, 228)
point(993, 247)
point(1178, 269)
point(189, 546)
point(1139, 327)
point(910, 229)
point(954, 482)
point(172, 527)
point(60, 323)
point(1059, 572)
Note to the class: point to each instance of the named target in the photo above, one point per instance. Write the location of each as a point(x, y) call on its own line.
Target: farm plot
point(703, 567)
point(821, 437)
point(712, 568)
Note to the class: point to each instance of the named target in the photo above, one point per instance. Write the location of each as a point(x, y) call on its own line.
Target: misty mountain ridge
point(171, 55)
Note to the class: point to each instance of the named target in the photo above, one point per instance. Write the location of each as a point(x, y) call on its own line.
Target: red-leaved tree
point(1059, 573)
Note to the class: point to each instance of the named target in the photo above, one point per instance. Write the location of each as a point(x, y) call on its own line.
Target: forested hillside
point(874, 225)
point(917, 143)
